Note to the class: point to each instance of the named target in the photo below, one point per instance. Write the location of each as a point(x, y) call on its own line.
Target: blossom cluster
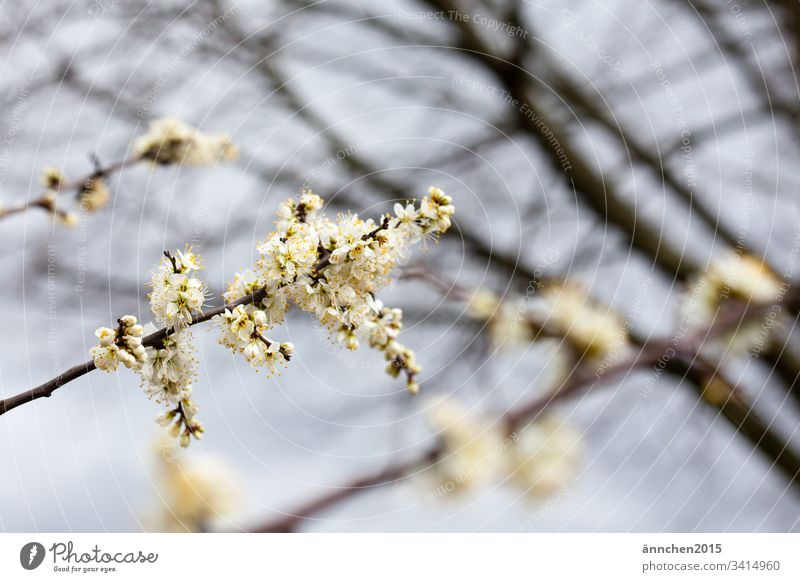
point(590, 328)
point(171, 141)
point(331, 269)
point(540, 458)
point(182, 419)
point(742, 277)
point(546, 456)
point(168, 367)
point(243, 330)
point(382, 325)
point(564, 311)
point(176, 292)
point(93, 194)
point(470, 446)
point(53, 179)
point(735, 276)
point(169, 370)
point(122, 345)
point(505, 324)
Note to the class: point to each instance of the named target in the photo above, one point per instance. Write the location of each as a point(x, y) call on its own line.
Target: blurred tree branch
point(684, 364)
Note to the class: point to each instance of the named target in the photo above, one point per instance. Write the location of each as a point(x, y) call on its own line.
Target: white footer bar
point(401, 557)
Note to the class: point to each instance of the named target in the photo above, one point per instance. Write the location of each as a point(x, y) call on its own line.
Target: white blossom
point(244, 283)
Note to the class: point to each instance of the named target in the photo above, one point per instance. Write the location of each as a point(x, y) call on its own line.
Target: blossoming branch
point(329, 268)
point(168, 141)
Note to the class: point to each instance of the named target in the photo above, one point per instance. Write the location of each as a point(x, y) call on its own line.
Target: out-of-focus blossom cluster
point(563, 311)
point(590, 328)
point(505, 322)
point(541, 458)
point(737, 277)
point(331, 269)
point(167, 141)
point(196, 493)
point(546, 456)
point(93, 194)
point(171, 141)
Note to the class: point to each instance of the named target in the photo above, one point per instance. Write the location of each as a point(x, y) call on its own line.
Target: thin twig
point(390, 474)
point(46, 201)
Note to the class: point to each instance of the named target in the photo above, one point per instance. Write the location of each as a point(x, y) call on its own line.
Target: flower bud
point(259, 317)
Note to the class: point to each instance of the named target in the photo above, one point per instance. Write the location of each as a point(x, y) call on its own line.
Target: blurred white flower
point(505, 323)
point(542, 458)
point(546, 456)
point(741, 276)
point(471, 447)
point(68, 219)
point(197, 493)
point(94, 194)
